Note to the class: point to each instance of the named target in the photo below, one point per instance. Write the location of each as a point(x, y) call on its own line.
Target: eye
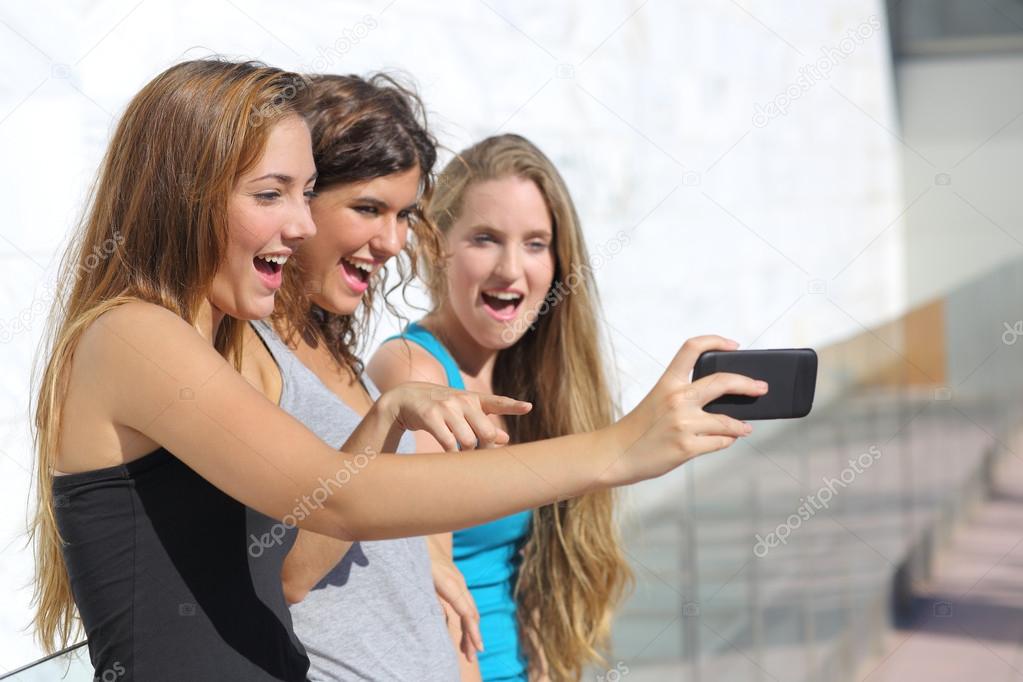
point(538, 246)
point(311, 194)
point(480, 238)
point(367, 210)
point(267, 197)
point(405, 215)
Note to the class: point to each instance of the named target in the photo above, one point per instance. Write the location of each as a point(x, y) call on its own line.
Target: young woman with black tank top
point(157, 460)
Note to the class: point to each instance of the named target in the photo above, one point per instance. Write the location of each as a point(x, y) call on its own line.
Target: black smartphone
point(790, 373)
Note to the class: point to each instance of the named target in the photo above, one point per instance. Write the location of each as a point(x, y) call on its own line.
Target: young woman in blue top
point(515, 310)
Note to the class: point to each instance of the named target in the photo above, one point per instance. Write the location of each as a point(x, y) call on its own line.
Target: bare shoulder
point(399, 360)
point(127, 365)
point(140, 336)
point(136, 358)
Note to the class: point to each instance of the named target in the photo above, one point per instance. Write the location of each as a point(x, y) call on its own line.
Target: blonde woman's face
point(359, 226)
point(268, 217)
point(502, 260)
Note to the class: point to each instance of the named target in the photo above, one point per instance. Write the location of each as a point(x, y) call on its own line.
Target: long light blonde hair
point(573, 573)
point(154, 229)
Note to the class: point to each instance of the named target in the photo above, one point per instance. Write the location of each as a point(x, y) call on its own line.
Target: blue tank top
point(487, 555)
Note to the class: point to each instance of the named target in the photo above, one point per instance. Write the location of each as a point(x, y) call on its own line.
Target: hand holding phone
point(791, 374)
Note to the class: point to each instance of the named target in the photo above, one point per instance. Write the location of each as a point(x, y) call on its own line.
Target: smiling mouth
point(355, 271)
point(502, 305)
point(267, 267)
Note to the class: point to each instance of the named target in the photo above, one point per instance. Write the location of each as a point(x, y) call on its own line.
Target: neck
point(306, 346)
point(208, 320)
point(473, 359)
point(300, 337)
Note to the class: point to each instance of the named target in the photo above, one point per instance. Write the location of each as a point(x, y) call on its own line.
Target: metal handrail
point(44, 659)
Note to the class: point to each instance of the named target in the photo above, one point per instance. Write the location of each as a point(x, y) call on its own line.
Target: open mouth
point(269, 268)
point(503, 305)
point(357, 274)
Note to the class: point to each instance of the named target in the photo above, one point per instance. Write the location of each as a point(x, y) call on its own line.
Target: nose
point(509, 265)
point(301, 225)
point(390, 239)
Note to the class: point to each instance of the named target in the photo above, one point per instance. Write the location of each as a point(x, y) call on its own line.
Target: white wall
point(772, 231)
point(963, 161)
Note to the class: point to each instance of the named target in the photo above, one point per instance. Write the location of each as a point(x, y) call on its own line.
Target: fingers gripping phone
point(790, 373)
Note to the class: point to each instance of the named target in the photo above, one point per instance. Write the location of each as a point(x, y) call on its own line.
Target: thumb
point(681, 366)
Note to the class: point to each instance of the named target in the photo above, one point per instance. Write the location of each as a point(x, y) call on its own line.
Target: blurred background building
point(842, 174)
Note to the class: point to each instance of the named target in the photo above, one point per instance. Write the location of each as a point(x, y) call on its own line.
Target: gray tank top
point(375, 616)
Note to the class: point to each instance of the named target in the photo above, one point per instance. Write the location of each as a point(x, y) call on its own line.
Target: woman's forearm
point(313, 556)
point(395, 496)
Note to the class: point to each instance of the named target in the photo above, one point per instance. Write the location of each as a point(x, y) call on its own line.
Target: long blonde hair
point(154, 229)
point(573, 572)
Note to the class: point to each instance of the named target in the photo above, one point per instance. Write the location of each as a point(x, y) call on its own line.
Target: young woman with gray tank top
point(366, 610)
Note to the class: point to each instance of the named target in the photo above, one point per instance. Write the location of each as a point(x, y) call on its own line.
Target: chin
point(256, 309)
point(502, 344)
point(338, 304)
point(494, 339)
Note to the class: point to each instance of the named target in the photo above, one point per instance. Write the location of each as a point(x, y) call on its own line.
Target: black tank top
point(173, 579)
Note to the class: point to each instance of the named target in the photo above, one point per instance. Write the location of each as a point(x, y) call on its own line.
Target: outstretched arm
point(157, 375)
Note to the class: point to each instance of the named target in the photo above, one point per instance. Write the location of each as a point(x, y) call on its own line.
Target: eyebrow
point(283, 178)
point(373, 201)
point(370, 200)
point(538, 232)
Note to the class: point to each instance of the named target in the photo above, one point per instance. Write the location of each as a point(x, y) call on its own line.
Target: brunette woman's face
point(502, 260)
point(359, 226)
point(268, 216)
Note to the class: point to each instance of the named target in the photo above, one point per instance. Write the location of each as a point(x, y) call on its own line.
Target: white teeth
point(362, 266)
point(504, 295)
point(280, 260)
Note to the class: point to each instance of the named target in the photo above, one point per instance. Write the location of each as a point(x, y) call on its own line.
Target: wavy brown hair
point(362, 128)
point(154, 229)
point(573, 573)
